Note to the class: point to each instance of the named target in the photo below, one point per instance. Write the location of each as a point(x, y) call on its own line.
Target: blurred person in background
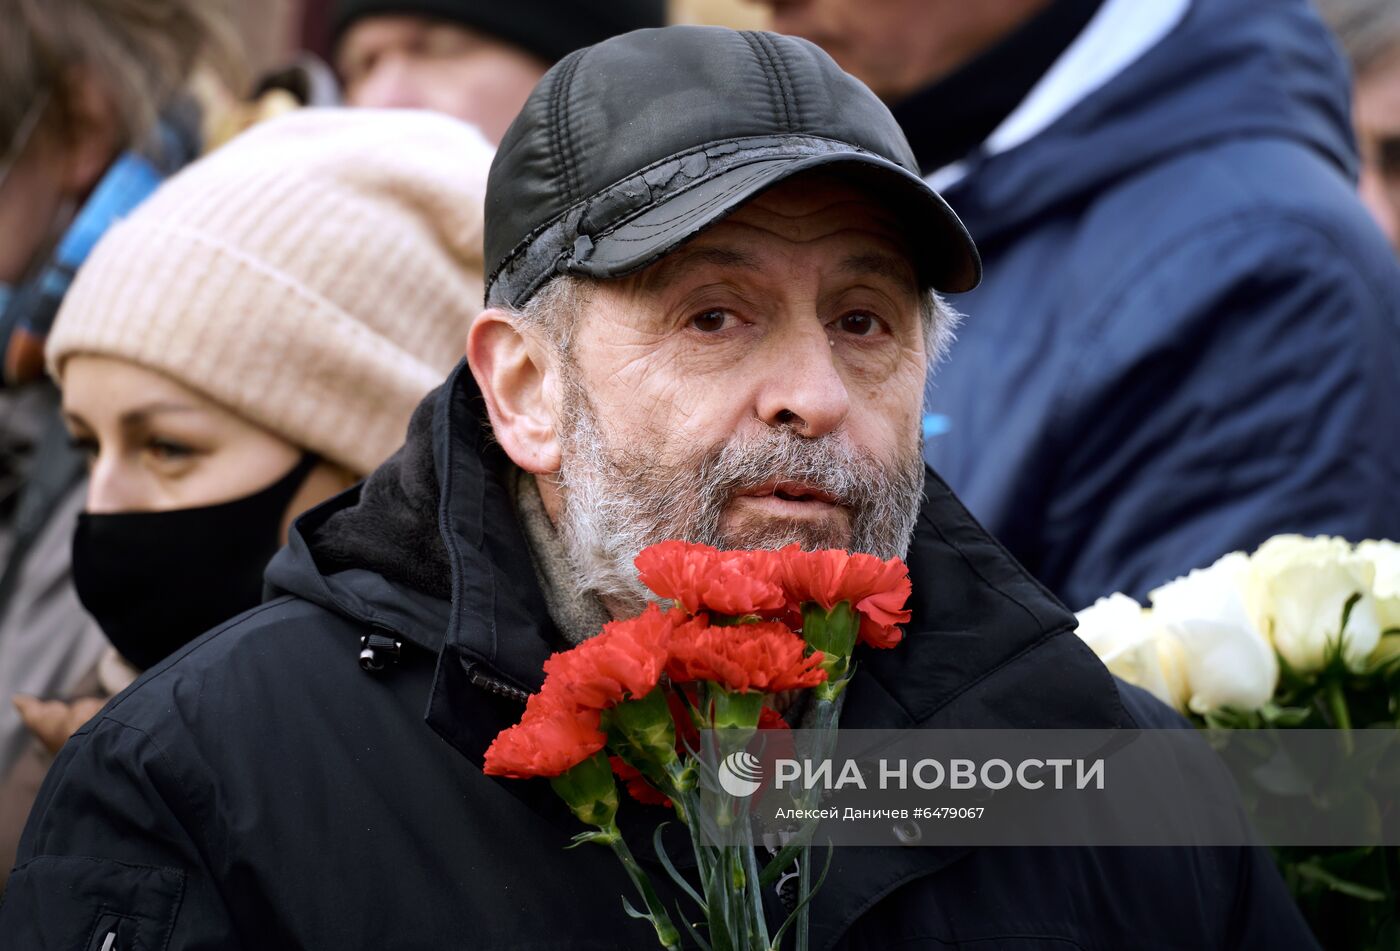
point(473, 59)
point(1369, 31)
point(93, 115)
point(248, 343)
point(1188, 337)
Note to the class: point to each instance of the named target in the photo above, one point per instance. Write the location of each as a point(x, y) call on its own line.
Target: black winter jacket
point(260, 790)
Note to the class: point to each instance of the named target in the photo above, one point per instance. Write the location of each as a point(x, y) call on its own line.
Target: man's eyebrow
point(888, 266)
point(675, 266)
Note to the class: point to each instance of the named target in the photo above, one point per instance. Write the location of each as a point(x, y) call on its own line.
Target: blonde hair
point(141, 52)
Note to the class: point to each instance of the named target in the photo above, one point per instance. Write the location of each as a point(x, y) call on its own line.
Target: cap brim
point(945, 256)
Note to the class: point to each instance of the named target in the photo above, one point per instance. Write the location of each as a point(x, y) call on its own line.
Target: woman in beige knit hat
point(251, 341)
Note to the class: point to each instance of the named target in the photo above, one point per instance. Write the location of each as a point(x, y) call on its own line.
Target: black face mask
point(157, 580)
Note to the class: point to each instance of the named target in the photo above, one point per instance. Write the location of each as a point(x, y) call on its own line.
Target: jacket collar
point(988, 646)
point(974, 608)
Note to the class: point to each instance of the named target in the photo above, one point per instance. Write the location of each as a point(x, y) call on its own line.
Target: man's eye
point(710, 321)
point(859, 324)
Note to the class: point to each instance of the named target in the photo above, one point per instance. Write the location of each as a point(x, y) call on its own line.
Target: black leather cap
point(628, 148)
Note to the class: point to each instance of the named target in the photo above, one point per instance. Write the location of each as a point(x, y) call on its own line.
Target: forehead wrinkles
point(796, 218)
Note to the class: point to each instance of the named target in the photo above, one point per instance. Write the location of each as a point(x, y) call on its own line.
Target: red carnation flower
point(687, 733)
point(700, 578)
point(551, 738)
point(637, 785)
point(764, 656)
point(877, 590)
point(770, 719)
point(622, 662)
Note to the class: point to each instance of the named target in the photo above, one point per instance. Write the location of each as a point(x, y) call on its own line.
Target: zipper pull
point(108, 932)
point(378, 651)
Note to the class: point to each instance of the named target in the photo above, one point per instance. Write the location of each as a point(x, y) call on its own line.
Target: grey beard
point(614, 504)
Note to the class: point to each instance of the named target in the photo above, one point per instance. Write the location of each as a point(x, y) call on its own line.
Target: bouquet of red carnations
point(747, 630)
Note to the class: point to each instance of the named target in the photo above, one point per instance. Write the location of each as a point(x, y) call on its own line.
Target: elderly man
point(712, 269)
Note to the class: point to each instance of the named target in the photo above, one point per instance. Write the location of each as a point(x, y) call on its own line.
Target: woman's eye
point(859, 324)
point(710, 321)
point(167, 451)
point(85, 445)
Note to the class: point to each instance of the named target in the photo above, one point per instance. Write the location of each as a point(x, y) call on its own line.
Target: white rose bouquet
point(1304, 633)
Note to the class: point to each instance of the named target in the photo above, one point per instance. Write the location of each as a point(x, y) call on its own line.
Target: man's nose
point(802, 387)
point(391, 84)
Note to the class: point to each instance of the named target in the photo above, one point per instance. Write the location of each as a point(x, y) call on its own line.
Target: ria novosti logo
point(740, 774)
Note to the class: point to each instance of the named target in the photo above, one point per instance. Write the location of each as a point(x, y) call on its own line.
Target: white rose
point(1384, 557)
point(1303, 585)
point(1124, 637)
point(1227, 660)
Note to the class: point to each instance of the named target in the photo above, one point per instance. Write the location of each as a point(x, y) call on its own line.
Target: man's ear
point(92, 136)
point(514, 375)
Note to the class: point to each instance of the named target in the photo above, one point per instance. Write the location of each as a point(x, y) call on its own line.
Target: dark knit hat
point(551, 29)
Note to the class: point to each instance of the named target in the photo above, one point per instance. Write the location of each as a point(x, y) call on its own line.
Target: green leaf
point(1341, 863)
point(1314, 872)
point(660, 848)
point(1346, 616)
point(1385, 658)
point(1284, 717)
point(583, 838)
point(781, 862)
point(694, 934)
point(1228, 718)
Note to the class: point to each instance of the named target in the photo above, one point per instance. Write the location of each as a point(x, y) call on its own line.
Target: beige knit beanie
point(316, 275)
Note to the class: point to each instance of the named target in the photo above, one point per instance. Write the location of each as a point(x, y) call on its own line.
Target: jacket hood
point(1229, 69)
point(428, 550)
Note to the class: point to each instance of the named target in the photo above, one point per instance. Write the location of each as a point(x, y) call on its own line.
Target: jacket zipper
point(492, 685)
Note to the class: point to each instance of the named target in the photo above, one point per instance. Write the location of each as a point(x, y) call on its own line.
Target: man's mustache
point(828, 465)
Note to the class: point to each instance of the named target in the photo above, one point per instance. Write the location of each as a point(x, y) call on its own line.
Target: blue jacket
point(1188, 336)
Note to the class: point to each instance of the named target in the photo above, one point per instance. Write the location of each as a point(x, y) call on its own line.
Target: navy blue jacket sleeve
point(111, 857)
point(1242, 386)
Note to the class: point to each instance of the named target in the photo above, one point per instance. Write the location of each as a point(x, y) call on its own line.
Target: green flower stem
point(828, 712)
point(666, 932)
point(679, 786)
point(754, 891)
point(804, 889)
point(1341, 715)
